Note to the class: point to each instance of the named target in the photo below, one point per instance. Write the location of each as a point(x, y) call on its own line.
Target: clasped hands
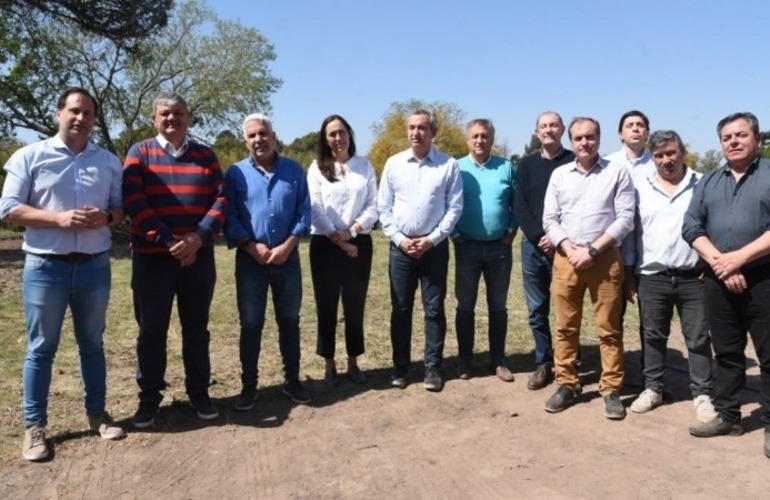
point(727, 267)
point(416, 247)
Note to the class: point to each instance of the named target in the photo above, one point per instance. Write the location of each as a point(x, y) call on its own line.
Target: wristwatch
point(593, 252)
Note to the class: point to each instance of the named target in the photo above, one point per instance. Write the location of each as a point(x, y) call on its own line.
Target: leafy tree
point(764, 137)
point(123, 21)
point(303, 149)
point(390, 135)
point(533, 146)
point(223, 75)
point(229, 148)
point(710, 160)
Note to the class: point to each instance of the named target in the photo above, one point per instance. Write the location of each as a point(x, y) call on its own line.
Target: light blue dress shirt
point(48, 176)
point(420, 197)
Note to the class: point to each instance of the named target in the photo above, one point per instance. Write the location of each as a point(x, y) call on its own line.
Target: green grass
point(66, 413)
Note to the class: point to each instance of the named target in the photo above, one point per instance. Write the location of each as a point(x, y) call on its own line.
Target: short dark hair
point(579, 119)
point(431, 117)
point(629, 114)
point(750, 118)
point(74, 90)
point(325, 157)
point(660, 138)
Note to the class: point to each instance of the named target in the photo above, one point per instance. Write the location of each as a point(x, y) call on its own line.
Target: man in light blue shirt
point(420, 201)
point(67, 192)
point(268, 212)
point(483, 238)
point(670, 275)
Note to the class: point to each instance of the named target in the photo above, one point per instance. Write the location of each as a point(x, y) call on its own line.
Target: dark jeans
point(537, 272)
point(252, 281)
point(658, 296)
point(334, 275)
point(493, 260)
point(431, 272)
point(156, 279)
point(730, 316)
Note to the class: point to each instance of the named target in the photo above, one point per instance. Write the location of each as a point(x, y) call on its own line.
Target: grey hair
point(257, 117)
point(660, 138)
point(581, 119)
point(484, 122)
point(557, 115)
point(431, 117)
point(169, 99)
point(751, 118)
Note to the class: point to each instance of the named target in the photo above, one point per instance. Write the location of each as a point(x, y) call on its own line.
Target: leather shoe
point(717, 427)
point(561, 399)
point(540, 378)
point(355, 374)
point(767, 444)
point(504, 373)
point(463, 369)
point(330, 376)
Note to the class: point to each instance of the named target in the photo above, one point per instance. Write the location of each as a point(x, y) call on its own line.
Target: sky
point(685, 63)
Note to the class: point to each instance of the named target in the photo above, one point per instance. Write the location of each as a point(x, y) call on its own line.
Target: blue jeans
point(156, 279)
point(252, 281)
point(405, 272)
point(537, 272)
point(493, 260)
point(48, 287)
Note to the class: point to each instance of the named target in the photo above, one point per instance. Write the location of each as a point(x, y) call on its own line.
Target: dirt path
point(476, 439)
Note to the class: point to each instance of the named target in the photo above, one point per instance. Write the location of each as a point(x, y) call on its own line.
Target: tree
point(709, 161)
point(229, 148)
point(123, 21)
point(764, 138)
point(390, 134)
point(533, 146)
point(303, 149)
point(222, 74)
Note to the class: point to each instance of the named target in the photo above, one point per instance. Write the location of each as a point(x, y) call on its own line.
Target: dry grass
point(66, 413)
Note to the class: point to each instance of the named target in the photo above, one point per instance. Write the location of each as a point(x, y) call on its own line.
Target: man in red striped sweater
point(173, 192)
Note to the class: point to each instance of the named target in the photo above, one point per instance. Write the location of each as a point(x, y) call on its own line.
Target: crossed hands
point(267, 256)
point(416, 248)
point(727, 267)
point(185, 248)
point(88, 217)
point(577, 256)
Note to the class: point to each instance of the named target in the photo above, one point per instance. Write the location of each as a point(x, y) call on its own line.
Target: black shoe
point(203, 407)
point(330, 376)
point(145, 415)
point(398, 378)
point(296, 392)
point(463, 369)
point(717, 427)
point(246, 399)
point(561, 399)
point(540, 378)
point(355, 374)
point(433, 380)
point(613, 407)
point(767, 444)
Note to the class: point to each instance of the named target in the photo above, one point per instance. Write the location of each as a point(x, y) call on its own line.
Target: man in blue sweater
point(482, 239)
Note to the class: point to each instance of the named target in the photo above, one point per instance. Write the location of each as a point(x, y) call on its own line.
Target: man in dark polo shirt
point(727, 224)
point(534, 172)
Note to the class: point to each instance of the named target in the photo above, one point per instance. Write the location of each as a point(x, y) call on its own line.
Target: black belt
point(673, 272)
point(70, 257)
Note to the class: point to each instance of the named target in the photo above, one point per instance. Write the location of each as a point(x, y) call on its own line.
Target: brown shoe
point(504, 373)
point(540, 377)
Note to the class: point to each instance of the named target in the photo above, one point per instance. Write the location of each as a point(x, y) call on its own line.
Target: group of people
point(638, 224)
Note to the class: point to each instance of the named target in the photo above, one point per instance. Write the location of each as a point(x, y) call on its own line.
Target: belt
point(70, 257)
point(673, 272)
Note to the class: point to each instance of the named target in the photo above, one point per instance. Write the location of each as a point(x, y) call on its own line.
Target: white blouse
point(352, 198)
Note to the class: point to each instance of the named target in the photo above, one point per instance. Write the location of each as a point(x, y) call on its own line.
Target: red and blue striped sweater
point(167, 196)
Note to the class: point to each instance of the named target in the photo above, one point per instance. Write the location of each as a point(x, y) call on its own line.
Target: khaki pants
point(604, 282)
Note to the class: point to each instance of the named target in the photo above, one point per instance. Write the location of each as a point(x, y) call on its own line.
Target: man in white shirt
point(588, 210)
point(633, 131)
point(670, 275)
point(420, 200)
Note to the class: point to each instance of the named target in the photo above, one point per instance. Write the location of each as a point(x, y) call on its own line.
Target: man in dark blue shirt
point(727, 223)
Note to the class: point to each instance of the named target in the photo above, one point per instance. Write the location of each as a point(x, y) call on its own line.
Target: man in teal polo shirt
point(482, 239)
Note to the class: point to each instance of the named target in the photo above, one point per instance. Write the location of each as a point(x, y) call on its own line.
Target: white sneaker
point(647, 400)
point(704, 408)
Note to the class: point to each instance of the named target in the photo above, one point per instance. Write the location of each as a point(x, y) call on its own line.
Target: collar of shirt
point(428, 159)
point(600, 162)
point(480, 165)
point(262, 169)
point(57, 143)
point(689, 181)
point(754, 164)
point(170, 148)
point(645, 158)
